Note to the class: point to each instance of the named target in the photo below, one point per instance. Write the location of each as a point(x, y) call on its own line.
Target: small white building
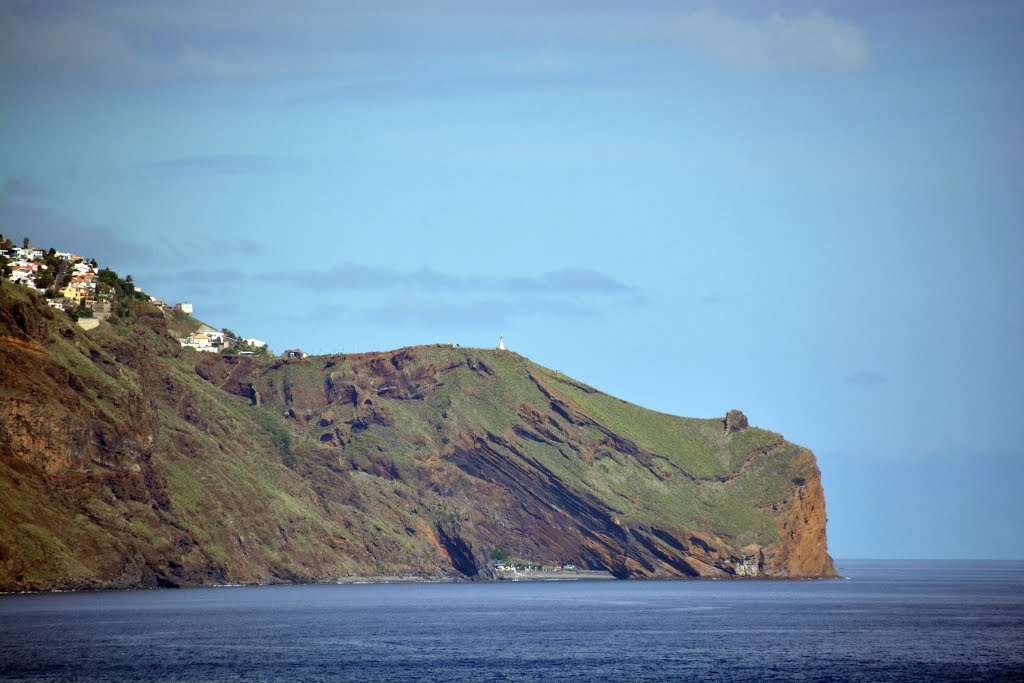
point(255, 343)
point(197, 341)
point(23, 276)
point(31, 254)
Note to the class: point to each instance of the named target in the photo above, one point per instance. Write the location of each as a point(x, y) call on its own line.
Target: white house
point(31, 254)
point(22, 275)
point(198, 341)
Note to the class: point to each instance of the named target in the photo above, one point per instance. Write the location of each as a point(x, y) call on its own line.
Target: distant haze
point(810, 212)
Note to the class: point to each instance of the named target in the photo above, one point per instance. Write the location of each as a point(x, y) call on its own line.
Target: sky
point(813, 213)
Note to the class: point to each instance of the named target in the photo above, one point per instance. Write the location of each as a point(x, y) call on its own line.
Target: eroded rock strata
point(127, 461)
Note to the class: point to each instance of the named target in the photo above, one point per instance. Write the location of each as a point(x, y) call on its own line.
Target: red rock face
point(802, 548)
point(128, 462)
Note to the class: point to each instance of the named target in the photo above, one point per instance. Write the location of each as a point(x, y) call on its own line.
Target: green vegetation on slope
point(129, 461)
point(688, 487)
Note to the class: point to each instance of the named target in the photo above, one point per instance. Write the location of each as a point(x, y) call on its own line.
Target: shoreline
point(561, 575)
point(581, 575)
point(535, 576)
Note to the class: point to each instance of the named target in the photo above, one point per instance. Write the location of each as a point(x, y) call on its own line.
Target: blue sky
point(811, 212)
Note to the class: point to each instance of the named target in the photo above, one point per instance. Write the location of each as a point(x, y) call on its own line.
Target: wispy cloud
point(865, 378)
point(425, 297)
point(225, 276)
point(23, 210)
point(811, 41)
point(566, 280)
point(361, 42)
point(218, 164)
point(47, 228)
point(488, 78)
point(357, 277)
point(243, 246)
point(426, 312)
point(23, 189)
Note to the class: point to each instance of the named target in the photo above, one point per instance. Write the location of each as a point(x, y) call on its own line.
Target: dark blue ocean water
point(890, 621)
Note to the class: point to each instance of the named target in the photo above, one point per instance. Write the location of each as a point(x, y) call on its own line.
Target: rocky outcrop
point(735, 421)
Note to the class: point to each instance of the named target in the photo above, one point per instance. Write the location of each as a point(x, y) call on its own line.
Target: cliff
point(128, 461)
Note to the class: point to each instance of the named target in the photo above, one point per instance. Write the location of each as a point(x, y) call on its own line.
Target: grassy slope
point(229, 495)
point(256, 494)
point(737, 509)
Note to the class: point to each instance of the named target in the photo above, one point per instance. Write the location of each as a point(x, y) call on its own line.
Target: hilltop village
point(79, 287)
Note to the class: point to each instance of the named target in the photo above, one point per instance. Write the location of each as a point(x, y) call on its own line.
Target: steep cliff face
point(126, 461)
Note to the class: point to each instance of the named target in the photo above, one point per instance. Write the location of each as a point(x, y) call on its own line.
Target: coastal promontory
point(127, 460)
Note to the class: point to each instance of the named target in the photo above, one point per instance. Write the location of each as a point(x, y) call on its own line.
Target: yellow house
point(200, 340)
point(75, 294)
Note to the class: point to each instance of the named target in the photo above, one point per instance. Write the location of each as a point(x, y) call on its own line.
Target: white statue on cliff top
point(501, 343)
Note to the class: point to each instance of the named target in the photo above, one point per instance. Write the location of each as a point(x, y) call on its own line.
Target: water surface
point(890, 621)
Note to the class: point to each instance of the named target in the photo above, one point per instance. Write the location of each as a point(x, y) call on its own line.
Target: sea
point(885, 621)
